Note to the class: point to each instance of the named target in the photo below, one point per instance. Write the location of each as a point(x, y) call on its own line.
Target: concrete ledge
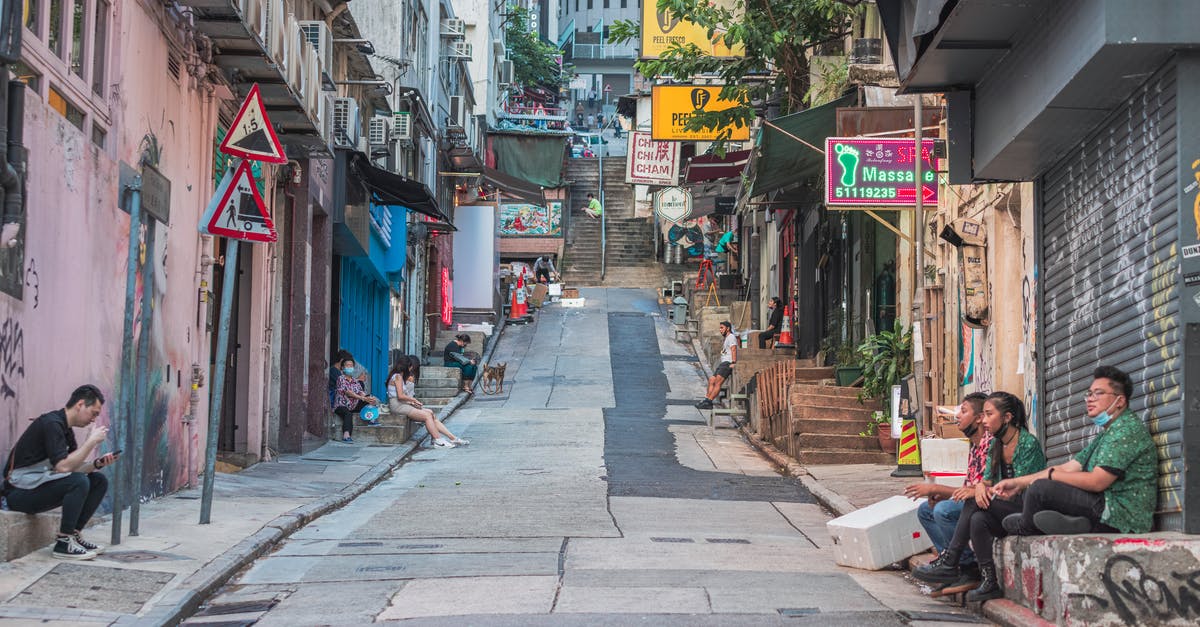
point(22, 534)
point(1104, 579)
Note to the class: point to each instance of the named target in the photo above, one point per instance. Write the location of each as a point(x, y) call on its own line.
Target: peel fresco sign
point(864, 171)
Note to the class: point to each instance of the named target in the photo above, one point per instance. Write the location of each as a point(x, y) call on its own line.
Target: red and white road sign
point(251, 136)
point(237, 210)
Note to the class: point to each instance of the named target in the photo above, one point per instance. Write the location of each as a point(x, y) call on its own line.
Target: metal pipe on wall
point(128, 354)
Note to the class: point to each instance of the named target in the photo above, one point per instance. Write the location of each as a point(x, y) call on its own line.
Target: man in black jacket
point(773, 324)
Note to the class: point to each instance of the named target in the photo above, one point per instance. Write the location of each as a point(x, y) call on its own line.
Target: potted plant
point(880, 426)
point(886, 358)
point(848, 368)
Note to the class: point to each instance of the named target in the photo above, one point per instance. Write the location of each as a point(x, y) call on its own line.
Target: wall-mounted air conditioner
point(377, 131)
point(276, 36)
point(345, 123)
point(453, 27)
point(317, 33)
point(402, 126)
point(506, 72)
point(867, 51)
point(461, 50)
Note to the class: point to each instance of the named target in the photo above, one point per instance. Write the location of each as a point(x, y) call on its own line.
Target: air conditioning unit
point(377, 131)
point(317, 33)
point(498, 48)
point(276, 39)
point(461, 50)
point(506, 72)
point(294, 54)
point(402, 125)
point(453, 27)
point(254, 15)
point(867, 51)
point(457, 112)
point(345, 123)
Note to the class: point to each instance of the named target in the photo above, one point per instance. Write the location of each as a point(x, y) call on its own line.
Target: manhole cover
point(727, 540)
point(676, 540)
point(130, 557)
point(82, 586)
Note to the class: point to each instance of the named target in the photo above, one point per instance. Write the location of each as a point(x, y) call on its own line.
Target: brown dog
point(492, 381)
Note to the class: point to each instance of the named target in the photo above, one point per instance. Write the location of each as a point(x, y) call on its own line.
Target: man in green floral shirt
point(1109, 487)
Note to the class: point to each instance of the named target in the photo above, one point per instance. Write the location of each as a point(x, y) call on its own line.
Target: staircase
point(826, 421)
point(437, 387)
point(630, 260)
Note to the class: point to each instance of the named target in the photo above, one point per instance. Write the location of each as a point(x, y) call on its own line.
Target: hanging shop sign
point(673, 204)
point(447, 298)
point(237, 210)
point(651, 162)
point(861, 171)
point(660, 30)
point(671, 106)
point(251, 135)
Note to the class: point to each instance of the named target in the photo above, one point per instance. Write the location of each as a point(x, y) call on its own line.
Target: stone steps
point(825, 426)
point(844, 456)
point(825, 390)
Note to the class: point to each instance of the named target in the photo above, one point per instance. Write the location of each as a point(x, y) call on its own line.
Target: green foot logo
point(848, 157)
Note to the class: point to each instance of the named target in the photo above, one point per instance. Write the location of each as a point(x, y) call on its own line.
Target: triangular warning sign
point(241, 213)
point(251, 135)
point(222, 189)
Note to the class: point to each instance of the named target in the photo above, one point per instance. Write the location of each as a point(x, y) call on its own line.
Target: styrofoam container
point(945, 455)
point(878, 535)
point(555, 289)
point(572, 302)
point(949, 479)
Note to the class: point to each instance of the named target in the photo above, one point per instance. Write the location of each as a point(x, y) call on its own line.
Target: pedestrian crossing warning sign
point(237, 210)
point(251, 135)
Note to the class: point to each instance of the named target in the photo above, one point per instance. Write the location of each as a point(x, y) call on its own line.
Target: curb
point(180, 603)
point(1010, 614)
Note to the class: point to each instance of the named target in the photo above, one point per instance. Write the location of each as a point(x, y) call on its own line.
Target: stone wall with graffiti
point(998, 354)
point(66, 327)
point(688, 236)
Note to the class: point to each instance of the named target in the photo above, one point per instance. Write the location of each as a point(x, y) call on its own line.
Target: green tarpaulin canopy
point(532, 158)
point(784, 161)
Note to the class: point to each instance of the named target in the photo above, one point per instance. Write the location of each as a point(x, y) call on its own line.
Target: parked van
point(590, 141)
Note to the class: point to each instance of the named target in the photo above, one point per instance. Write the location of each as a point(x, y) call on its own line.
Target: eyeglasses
point(1087, 396)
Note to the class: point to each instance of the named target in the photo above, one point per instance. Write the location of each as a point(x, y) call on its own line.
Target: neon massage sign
point(867, 171)
point(447, 298)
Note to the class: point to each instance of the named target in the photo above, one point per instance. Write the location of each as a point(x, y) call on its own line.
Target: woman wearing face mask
point(1014, 452)
point(350, 397)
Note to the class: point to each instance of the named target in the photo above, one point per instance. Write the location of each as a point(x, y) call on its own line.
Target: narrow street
point(591, 493)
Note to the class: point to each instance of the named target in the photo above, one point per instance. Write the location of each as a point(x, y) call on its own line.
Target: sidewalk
point(163, 574)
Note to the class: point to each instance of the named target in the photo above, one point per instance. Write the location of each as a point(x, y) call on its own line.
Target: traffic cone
point(785, 332)
point(519, 311)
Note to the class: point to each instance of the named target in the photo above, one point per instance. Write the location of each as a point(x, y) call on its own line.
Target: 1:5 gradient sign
point(862, 171)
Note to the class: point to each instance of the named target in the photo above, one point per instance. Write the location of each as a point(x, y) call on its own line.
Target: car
point(593, 141)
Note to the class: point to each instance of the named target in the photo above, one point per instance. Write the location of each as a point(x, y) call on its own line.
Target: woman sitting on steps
point(401, 390)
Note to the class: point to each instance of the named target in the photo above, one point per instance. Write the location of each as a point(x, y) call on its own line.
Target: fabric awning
point(712, 167)
point(389, 188)
point(785, 161)
point(513, 186)
point(534, 158)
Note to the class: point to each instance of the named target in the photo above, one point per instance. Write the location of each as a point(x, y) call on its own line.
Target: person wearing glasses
point(1109, 487)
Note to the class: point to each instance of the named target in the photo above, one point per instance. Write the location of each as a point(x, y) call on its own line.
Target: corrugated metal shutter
point(1109, 282)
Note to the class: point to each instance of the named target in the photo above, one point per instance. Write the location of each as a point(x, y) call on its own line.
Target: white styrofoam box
point(555, 289)
point(949, 479)
point(572, 302)
point(944, 455)
point(878, 535)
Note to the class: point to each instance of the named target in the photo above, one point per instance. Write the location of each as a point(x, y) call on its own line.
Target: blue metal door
point(365, 320)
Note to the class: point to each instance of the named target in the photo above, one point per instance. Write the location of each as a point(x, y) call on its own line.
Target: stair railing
point(603, 206)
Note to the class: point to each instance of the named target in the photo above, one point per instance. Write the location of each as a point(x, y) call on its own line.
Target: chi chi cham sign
point(863, 171)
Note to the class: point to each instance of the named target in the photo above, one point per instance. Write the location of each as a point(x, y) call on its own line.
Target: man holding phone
point(47, 469)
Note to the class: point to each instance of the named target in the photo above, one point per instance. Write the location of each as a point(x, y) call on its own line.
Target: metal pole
point(141, 392)
point(127, 355)
point(603, 212)
point(918, 302)
point(218, 380)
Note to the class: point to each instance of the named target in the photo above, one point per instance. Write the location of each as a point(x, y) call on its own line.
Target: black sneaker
point(1014, 524)
point(90, 546)
point(1054, 523)
point(704, 404)
point(68, 549)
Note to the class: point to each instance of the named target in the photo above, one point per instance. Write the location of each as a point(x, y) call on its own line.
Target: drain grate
point(381, 569)
point(793, 612)
point(675, 540)
point(727, 540)
point(238, 607)
point(352, 545)
point(129, 557)
point(687, 358)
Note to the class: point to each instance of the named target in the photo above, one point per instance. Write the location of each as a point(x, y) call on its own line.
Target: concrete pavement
point(592, 493)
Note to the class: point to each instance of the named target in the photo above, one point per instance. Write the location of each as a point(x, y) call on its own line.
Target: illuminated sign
point(872, 172)
point(447, 298)
point(671, 106)
point(660, 30)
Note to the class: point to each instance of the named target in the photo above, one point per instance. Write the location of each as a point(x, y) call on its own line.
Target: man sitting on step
point(724, 370)
point(593, 207)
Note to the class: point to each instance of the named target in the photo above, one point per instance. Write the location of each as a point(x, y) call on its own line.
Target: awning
point(439, 227)
point(537, 159)
point(513, 186)
point(388, 188)
point(712, 167)
point(785, 159)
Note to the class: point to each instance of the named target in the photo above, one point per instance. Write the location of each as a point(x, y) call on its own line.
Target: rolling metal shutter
point(1109, 292)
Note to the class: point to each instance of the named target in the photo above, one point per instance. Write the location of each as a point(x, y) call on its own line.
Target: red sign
point(863, 171)
point(240, 213)
point(251, 135)
point(651, 162)
point(447, 298)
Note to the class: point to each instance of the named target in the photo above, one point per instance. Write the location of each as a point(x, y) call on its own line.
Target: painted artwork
point(531, 220)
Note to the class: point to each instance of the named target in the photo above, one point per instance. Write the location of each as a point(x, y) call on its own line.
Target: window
point(624, 4)
point(54, 39)
point(77, 37)
point(100, 46)
point(59, 103)
point(589, 5)
point(27, 75)
point(32, 13)
point(606, 4)
point(577, 11)
point(98, 135)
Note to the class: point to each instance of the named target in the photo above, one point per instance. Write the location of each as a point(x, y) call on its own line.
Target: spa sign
point(862, 171)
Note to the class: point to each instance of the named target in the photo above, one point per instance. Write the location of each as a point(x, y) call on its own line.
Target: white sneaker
point(443, 443)
point(460, 442)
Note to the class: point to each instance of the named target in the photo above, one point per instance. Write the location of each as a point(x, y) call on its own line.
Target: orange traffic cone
point(785, 332)
point(519, 311)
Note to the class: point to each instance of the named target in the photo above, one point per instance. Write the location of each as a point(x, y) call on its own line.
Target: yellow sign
point(660, 30)
point(671, 106)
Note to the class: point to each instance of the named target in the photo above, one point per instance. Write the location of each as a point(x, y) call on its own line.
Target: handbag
point(30, 477)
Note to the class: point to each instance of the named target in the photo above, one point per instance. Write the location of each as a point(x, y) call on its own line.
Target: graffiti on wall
point(688, 235)
point(531, 220)
point(12, 358)
point(1137, 593)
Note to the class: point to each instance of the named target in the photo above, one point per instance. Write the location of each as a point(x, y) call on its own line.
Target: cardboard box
point(539, 295)
point(570, 292)
point(879, 535)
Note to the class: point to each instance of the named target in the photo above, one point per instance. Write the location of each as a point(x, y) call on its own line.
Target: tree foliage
point(535, 62)
point(778, 37)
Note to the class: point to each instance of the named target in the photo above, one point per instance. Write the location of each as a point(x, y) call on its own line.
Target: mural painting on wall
point(531, 220)
point(688, 235)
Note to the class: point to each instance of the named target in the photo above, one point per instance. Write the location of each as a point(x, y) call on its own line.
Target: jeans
point(79, 495)
point(1045, 494)
point(982, 526)
point(939, 522)
point(347, 415)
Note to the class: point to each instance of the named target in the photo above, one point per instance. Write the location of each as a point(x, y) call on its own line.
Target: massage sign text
point(871, 172)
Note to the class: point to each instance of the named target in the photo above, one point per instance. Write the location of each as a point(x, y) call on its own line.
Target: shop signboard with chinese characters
point(523, 219)
point(863, 171)
point(651, 162)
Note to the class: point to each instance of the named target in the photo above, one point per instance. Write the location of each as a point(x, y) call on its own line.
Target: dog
point(492, 381)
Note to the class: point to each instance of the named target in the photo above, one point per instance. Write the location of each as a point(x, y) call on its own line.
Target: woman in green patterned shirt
point(1015, 452)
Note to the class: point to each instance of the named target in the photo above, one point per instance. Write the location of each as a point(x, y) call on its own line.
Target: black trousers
point(981, 526)
point(79, 495)
point(347, 415)
point(542, 274)
point(766, 335)
point(1045, 494)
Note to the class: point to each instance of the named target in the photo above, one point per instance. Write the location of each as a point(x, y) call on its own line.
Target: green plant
point(877, 421)
point(886, 358)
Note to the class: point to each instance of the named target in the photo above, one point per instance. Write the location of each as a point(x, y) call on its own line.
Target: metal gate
point(1109, 293)
point(364, 320)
